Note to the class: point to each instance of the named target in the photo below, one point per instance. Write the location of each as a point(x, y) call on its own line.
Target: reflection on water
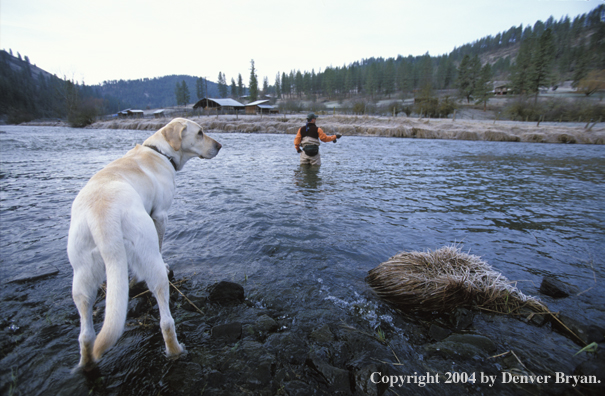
point(308, 235)
point(307, 178)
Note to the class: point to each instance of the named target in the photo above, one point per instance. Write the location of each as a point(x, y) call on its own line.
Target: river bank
point(402, 127)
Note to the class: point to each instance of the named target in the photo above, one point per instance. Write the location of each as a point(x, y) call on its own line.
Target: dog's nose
point(218, 146)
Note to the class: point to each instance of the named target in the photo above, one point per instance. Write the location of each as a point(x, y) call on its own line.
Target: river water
point(305, 237)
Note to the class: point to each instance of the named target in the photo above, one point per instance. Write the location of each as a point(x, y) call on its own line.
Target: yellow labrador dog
point(117, 225)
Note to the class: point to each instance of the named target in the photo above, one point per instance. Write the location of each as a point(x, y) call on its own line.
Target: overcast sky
point(94, 41)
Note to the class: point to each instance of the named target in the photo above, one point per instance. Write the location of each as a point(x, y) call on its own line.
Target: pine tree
point(222, 85)
point(233, 89)
point(389, 76)
point(298, 83)
point(178, 93)
point(253, 83)
point(277, 87)
point(285, 84)
point(307, 83)
point(200, 88)
point(468, 76)
point(426, 72)
point(185, 93)
point(265, 90)
point(541, 74)
point(581, 65)
point(240, 86)
point(520, 76)
point(485, 86)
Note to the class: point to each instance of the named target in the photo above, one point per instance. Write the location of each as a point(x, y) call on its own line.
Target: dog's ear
point(173, 133)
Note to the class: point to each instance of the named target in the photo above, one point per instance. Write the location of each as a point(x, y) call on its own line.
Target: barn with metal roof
point(260, 106)
point(218, 104)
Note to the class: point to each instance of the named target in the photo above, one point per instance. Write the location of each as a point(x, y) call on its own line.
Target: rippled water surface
point(309, 236)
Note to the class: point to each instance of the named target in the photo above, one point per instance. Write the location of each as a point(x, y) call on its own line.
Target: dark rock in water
point(15, 296)
point(465, 346)
point(337, 379)
point(586, 332)
point(476, 340)
point(184, 378)
point(529, 316)
point(322, 335)
point(34, 274)
point(226, 293)
point(299, 388)
point(593, 367)
point(461, 319)
point(364, 384)
point(438, 333)
point(197, 300)
point(215, 378)
point(555, 288)
point(265, 324)
point(287, 347)
point(228, 333)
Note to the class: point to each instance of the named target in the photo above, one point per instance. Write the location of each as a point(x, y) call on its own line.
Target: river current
point(307, 236)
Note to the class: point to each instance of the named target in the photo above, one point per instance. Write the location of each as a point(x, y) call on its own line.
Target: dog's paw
point(179, 352)
point(87, 368)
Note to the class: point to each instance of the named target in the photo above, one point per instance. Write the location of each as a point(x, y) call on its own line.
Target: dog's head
point(189, 140)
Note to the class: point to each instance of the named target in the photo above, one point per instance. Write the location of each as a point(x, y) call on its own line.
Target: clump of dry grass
point(444, 279)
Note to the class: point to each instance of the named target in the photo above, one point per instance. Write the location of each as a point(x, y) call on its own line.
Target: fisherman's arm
point(297, 140)
point(325, 138)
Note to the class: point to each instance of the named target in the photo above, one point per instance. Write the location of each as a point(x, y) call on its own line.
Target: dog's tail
point(112, 249)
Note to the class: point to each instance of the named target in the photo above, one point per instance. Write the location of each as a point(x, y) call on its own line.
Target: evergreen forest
point(526, 58)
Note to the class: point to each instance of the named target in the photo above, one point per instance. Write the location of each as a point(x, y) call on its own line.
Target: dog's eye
point(200, 133)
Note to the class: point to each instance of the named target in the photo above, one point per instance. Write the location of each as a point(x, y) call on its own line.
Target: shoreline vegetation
point(375, 126)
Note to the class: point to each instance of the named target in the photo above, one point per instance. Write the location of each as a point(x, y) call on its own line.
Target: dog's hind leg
point(160, 287)
point(147, 264)
point(84, 292)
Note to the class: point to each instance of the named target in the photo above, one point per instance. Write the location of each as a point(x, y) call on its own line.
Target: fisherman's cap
point(311, 116)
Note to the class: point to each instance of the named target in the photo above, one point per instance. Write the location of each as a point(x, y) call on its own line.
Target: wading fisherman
point(307, 142)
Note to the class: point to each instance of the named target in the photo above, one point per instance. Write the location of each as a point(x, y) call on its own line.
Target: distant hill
point(151, 93)
point(28, 92)
point(22, 65)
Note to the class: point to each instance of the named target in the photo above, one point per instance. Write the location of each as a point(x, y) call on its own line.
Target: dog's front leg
point(159, 220)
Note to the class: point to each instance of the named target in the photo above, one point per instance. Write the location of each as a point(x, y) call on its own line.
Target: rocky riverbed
point(242, 346)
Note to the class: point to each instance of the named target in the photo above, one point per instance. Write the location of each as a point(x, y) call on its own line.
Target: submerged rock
point(322, 335)
point(226, 293)
point(555, 288)
point(33, 274)
point(461, 319)
point(184, 378)
point(438, 333)
point(229, 333)
point(594, 367)
point(586, 332)
point(465, 346)
point(337, 379)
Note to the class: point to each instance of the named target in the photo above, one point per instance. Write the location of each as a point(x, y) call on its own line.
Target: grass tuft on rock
point(445, 279)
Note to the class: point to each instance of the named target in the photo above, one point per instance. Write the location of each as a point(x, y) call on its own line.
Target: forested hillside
point(152, 93)
point(528, 58)
point(578, 47)
point(28, 92)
